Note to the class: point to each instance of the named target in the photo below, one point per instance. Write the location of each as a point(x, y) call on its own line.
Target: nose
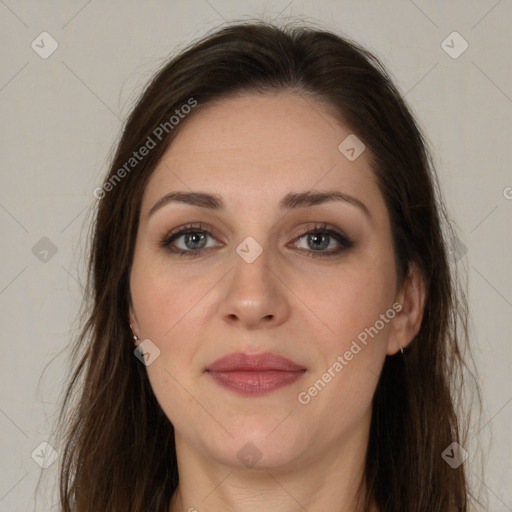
point(255, 295)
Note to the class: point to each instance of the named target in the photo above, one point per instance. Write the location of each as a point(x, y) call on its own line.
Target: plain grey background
point(62, 114)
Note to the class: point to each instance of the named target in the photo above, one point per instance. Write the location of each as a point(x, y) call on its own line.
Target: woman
point(273, 319)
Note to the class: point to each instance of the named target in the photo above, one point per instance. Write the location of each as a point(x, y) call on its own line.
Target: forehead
point(261, 145)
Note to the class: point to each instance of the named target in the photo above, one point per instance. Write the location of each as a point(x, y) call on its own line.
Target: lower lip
point(257, 382)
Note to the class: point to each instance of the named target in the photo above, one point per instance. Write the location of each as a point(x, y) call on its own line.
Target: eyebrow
point(290, 201)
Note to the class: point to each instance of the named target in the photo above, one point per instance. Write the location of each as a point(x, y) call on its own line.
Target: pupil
point(316, 237)
point(190, 236)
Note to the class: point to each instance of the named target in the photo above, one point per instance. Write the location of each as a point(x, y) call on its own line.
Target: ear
point(407, 322)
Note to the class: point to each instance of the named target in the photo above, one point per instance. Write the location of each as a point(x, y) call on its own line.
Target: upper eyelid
point(311, 226)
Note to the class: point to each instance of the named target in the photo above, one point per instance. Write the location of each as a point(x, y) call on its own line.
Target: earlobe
point(407, 322)
point(134, 326)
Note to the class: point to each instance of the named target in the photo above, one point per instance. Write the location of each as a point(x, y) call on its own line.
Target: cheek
point(164, 306)
point(349, 302)
point(169, 306)
point(351, 339)
point(162, 298)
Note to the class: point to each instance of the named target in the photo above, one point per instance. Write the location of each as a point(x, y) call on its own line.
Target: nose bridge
point(253, 292)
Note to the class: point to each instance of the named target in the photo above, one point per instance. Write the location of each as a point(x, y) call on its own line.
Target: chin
point(258, 447)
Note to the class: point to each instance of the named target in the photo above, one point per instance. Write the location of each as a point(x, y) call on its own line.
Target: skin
point(253, 150)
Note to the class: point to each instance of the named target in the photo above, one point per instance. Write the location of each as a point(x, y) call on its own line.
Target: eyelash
point(340, 237)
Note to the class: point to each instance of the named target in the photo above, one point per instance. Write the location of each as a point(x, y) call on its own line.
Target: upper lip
point(250, 362)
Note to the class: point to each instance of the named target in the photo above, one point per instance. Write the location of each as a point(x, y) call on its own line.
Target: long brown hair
point(118, 451)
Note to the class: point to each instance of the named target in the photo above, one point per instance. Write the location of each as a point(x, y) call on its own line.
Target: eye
point(194, 240)
point(320, 237)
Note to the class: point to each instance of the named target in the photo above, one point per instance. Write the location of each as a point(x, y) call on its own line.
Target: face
point(265, 275)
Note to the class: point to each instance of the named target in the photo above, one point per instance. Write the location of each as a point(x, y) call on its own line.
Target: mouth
point(254, 374)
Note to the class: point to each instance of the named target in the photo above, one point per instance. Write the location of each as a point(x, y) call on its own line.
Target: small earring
point(402, 349)
point(135, 337)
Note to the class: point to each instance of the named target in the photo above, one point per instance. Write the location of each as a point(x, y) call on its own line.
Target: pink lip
point(254, 374)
